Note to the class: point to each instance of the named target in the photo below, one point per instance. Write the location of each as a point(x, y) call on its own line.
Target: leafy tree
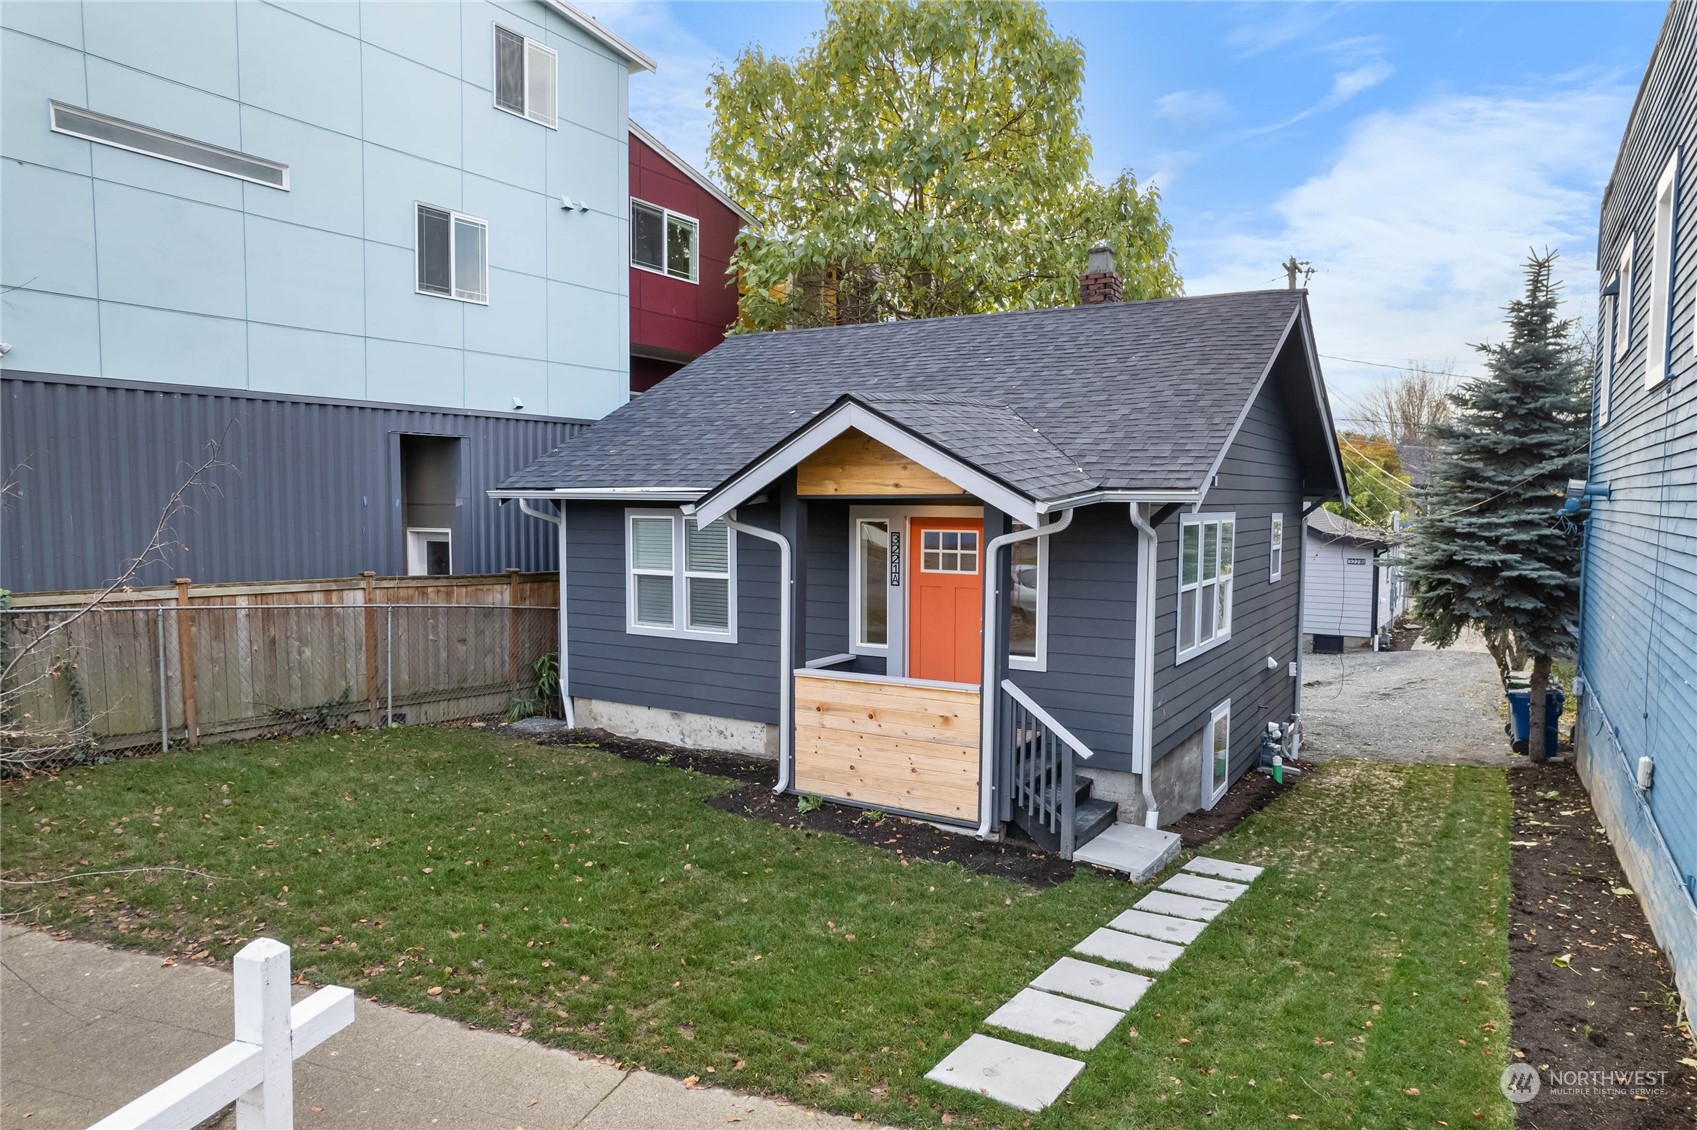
point(1492, 552)
point(922, 159)
point(1373, 471)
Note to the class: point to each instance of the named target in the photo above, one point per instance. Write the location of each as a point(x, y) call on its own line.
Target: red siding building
point(683, 230)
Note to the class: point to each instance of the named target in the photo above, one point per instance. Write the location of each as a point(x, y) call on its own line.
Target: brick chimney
point(1099, 283)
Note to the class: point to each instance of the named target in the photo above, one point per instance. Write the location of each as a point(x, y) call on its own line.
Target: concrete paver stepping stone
point(1179, 906)
point(1088, 981)
point(1180, 931)
point(1224, 869)
point(1199, 886)
point(1129, 949)
point(1055, 1018)
point(1009, 1073)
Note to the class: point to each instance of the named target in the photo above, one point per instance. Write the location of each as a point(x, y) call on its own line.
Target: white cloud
point(1419, 229)
point(1345, 85)
point(671, 103)
point(1192, 107)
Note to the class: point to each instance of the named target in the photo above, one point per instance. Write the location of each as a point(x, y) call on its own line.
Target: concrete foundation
point(678, 727)
point(1178, 784)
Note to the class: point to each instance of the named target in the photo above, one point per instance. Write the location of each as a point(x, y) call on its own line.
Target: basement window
point(1216, 754)
point(526, 77)
point(90, 126)
point(1205, 582)
point(680, 576)
point(663, 240)
point(452, 254)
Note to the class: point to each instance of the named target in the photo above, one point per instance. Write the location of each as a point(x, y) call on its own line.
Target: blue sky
point(1412, 152)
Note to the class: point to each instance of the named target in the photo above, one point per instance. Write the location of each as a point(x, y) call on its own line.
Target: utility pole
point(1294, 268)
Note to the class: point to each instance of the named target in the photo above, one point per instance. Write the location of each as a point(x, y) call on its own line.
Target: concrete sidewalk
point(85, 1029)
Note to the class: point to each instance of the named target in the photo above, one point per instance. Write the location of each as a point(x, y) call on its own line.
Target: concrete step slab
point(1224, 869)
point(1202, 887)
point(1060, 1019)
point(1137, 851)
point(1088, 981)
point(1129, 949)
point(1179, 906)
point(1009, 1073)
point(1164, 927)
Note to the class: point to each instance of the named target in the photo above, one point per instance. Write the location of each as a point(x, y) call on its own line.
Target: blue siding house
point(300, 226)
point(1638, 615)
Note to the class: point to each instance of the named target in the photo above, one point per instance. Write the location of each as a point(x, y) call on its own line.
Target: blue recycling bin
point(1520, 712)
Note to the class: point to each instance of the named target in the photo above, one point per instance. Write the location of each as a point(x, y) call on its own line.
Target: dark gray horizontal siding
point(725, 680)
point(1092, 641)
point(1258, 478)
point(827, 578)
point(309, 488)
point(1638, 635)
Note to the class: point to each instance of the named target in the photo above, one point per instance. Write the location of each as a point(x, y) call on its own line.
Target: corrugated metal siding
point(1260, 477)
point(725, 680)
point(310, 489)
point(1338, 599)
point(1638, 636)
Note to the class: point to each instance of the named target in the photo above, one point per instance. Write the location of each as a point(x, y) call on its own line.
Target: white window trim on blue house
point(1224, 578)
point(681, 575)
point(1220, 718)
point(1658, 342)
point(1275, 548)
point(1623, 303)
point(456, 220)
point(529, 49)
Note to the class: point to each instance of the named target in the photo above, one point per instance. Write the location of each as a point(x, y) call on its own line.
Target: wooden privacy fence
point(192, 663)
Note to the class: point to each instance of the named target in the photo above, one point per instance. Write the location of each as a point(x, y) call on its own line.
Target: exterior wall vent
point(119, 134)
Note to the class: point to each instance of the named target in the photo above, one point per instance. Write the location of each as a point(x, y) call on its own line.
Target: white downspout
point(786, 645)
point(987, 692)
point(1143, 678)
point(559, 521)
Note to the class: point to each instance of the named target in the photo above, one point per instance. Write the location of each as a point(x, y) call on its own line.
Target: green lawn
point(598, 904)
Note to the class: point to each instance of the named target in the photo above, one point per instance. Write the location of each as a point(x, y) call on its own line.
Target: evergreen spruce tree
point(1492, 552)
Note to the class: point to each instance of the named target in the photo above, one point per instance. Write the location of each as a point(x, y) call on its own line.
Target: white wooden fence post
point(262, 1017)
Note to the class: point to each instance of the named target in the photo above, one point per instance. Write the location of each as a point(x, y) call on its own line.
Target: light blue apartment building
point(380, 248)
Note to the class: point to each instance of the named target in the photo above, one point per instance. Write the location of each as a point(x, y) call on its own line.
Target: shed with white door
point(1350, 592)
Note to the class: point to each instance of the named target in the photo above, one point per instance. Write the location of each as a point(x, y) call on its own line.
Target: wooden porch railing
point(1039, 755)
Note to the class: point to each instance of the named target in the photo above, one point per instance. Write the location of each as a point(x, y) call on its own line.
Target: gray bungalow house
point(797, 545)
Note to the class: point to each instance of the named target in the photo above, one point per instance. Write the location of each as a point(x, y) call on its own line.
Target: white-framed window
point(1276, 549)
point(1658, 343)
point(1216, 754)
point(526, 77)
point(452, 255)
point(1205, 582)
point(871, 580)
point(1028, 603)
point(430, 553)
point(662, 240)
point(73, 121)
point(680, 576)
point(1623, 303)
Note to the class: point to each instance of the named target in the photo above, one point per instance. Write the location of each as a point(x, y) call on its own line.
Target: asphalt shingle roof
point(1133, 395)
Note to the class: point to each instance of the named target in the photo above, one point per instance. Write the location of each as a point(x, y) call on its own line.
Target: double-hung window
point(1205, 582)
point(1216, 754)
point(662, 240)
point(1276, 554)
point(1659, 341)
point(452, 254)
point(526, 77)
point(681, 576)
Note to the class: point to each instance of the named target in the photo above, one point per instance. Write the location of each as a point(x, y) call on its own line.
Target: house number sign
point(895, 560)
point(1355, 561)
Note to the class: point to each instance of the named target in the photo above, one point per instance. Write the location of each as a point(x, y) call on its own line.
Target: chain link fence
point(89, 685)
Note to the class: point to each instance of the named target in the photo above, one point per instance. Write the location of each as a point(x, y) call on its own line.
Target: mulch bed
point(1253, 792)
point(1608, 1006)
point(739, 766)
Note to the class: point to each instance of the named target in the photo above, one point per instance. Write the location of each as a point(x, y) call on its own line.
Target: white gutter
point(1143, 678)
point(987, 689)
point(559, 521)
point(604, 494)
point(786, 645)
point(1091, 498)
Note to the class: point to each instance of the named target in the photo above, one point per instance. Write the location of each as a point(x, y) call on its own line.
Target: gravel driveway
point(1420, 705)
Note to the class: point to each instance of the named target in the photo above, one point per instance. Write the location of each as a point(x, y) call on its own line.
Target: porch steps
point(1090, 818)
point(1137, 851)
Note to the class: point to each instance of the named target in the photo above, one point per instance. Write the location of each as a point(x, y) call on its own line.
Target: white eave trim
point(692, 173)
point(845, 417)
point(634, 60)
point(1091, 498)
point(602, 494)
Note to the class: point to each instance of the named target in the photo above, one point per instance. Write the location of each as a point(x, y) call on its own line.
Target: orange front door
point(945, 601)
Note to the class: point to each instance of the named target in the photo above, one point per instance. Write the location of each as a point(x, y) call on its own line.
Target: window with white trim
point(1276, 550)
point(663, 240)
point(1216, 754)
point(1658, 343)
point(1623, 303)
point(526, 77)
point(452, 254)
point(1028, 612)
point(872, 583)
point(1205, 582)
point(680, 576)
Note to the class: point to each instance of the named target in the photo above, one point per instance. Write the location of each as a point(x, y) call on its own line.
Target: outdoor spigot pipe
point(565, 673)
point(786, 645)
point(988, 691)
point(1143, 677)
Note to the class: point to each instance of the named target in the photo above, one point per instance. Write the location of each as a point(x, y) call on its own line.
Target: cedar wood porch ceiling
point(1130, 396)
